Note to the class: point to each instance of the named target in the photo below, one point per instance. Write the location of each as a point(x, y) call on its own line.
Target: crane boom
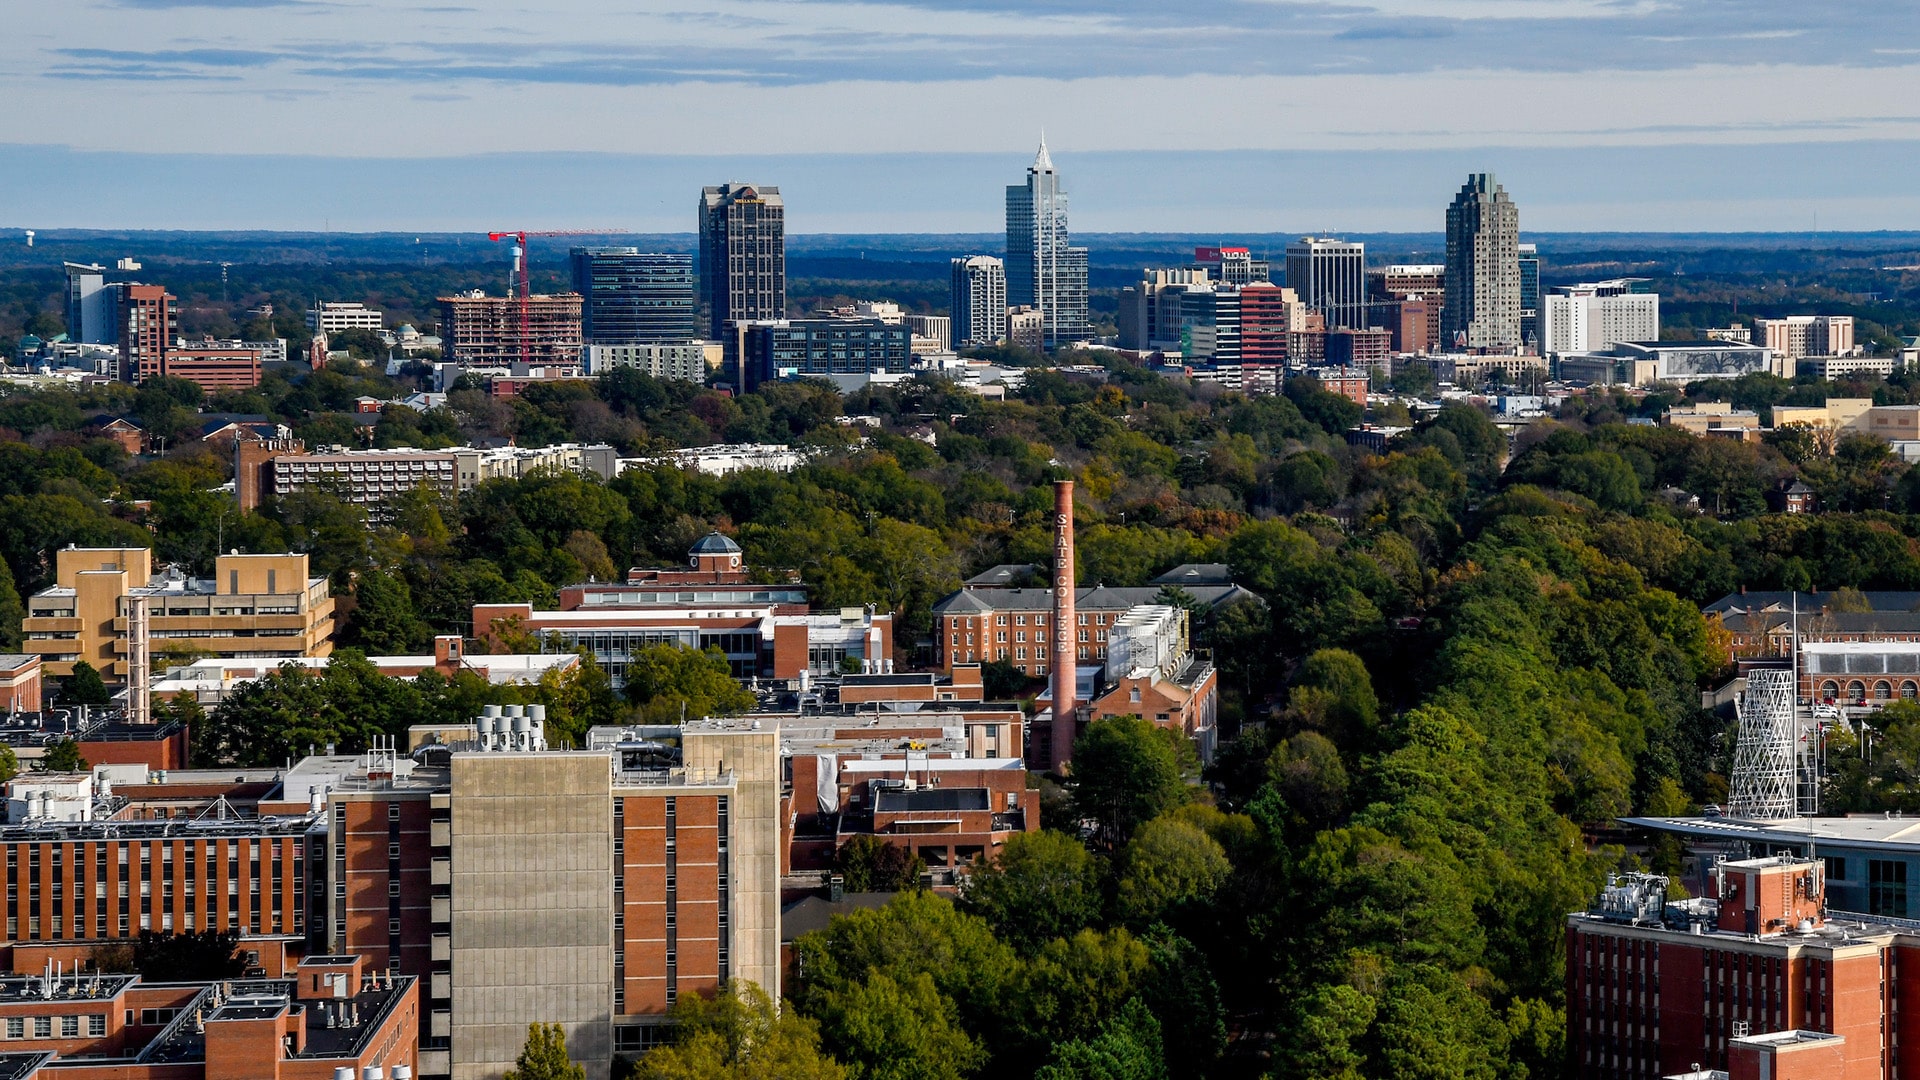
point(520, 282)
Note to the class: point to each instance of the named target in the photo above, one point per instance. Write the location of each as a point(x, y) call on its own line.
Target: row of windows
point(1857, 691)
point(69, 1026)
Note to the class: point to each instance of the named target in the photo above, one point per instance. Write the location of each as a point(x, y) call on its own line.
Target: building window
point(97, 1025)
point(1836, 868)
point(1881, 691)
point(1887, 888)
point(16, 1027)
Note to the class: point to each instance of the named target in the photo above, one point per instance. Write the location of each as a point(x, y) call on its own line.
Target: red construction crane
point(519, 238)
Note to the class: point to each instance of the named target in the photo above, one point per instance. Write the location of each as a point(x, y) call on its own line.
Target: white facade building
point(331, 317)
point(978, 301)
point(688, 360)
point(1589, 317)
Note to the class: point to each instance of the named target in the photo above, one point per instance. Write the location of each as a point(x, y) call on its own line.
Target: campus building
point(766, 631)
point(330, 1016)
point(253, 606)
point(372, 478)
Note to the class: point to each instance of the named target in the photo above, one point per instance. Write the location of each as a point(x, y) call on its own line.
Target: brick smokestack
point(1064, 637)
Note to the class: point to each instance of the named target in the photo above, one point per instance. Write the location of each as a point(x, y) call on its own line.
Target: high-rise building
point(1267, 314)
point(480, 330)
point(1483, 268)
point(631, 297)
point(1530, 295)
point(1330, 277)
point(978, 301)
point(1043, 269)
point(743, 255)
point(1149, 315)
point(254, 605)
point(148, 314)
point(1591, 316)
point(846, 351)
point(1210, 324)
point(92, 306)
point(1233, 265)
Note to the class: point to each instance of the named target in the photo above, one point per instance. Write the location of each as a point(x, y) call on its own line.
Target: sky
point(1170, 115)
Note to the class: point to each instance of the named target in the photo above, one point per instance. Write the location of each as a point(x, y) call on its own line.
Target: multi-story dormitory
point(514, 883)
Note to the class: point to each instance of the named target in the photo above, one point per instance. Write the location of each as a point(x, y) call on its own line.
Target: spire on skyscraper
point(1041, 161)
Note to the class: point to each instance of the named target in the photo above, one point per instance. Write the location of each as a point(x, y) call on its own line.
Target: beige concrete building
point(1894, 423)
point(529, 922)
point(1799, 336)
point(254, 606)
point(1837, 415)
point(1711, 416)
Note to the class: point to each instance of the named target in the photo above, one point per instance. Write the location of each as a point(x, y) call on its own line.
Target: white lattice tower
point(1766, 756)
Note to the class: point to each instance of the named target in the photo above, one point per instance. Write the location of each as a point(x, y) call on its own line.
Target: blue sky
point(908, 116)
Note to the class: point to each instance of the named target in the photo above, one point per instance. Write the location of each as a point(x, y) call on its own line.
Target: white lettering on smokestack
point(1065, 636)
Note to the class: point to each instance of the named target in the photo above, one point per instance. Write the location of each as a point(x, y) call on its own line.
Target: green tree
point(1170, 865)
point(1127, 1048)
point(1003, 681)
point(1042, 885)
point(1334, 694)
point(1126, 771)
point(188, 956)
point(867, 863)
point(62, 757)
point(84, 686)
point(899, 1030)
point(738, 1034)
point(544, 1057)
point(669, 681)
point(383, 622)
point(11, 610)
point(9, 764)
point(1325, 1043)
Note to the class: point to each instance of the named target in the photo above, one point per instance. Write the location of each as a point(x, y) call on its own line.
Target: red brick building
point(148, 314)
point(331, 1014)
point(1658, 988)
point(1266, 317)
point(766, 631)
point(214, 367)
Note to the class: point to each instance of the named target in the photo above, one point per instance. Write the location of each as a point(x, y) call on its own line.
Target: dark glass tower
point(630, 297)
point(743, 255)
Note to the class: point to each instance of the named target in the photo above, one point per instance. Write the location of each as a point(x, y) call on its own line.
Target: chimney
point(1065, 726)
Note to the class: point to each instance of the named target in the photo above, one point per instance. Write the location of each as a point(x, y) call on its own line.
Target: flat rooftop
point(924, 800)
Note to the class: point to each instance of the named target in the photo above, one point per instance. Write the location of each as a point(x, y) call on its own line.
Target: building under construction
point(484, 331)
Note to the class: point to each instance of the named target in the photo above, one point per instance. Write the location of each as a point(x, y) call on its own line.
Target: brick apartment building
point(254, 605)
point(148, 314)
point(1757, 969)
point(653, 877)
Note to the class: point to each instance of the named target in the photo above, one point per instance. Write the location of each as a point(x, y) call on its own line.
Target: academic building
point(253, 606)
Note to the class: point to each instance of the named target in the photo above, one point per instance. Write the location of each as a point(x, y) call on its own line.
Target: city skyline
point(316, 115)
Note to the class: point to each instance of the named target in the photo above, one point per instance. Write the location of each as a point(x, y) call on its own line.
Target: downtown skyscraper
point(1483, 268)
point(743, 255)
point(1043, 269)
